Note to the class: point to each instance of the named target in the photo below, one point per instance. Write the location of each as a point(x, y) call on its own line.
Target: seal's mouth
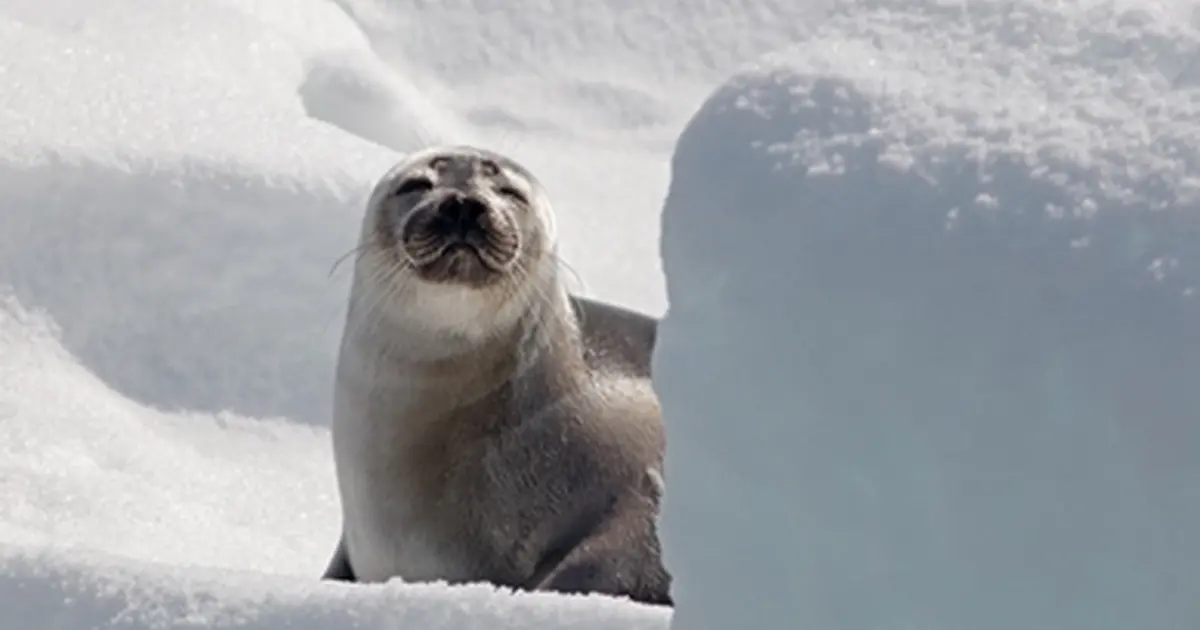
point(459, 238)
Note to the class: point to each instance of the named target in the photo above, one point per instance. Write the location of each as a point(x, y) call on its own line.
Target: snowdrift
point(934, 329)
point(167, 193)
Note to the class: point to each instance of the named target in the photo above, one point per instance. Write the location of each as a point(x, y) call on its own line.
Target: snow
point(979, 213)
point(77, 590)
point(930, 355)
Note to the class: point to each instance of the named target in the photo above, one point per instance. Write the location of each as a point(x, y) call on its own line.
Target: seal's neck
point(428, 374)
point(440, 330)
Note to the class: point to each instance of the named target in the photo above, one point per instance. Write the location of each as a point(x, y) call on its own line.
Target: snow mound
point(82, 467)
point(134, 80)
point(933, 329)
point(355, 91)
point(163, 210)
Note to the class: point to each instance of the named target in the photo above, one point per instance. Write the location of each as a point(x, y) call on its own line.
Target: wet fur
point(505, 433)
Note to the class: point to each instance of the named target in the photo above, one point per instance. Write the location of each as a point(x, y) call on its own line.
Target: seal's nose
point(460, 214)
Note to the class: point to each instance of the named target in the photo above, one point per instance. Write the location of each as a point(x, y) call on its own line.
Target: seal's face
point(458, 244)
point(456, 217)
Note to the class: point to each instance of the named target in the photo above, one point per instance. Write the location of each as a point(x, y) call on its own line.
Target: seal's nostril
point(461, 214)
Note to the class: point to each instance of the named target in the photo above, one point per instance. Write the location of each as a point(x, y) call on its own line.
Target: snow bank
point(83, 467)
point(168, 193)
point(934, 327)
point(69, 589)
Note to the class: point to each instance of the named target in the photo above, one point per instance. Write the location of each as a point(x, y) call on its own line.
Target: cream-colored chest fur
point(390, 527)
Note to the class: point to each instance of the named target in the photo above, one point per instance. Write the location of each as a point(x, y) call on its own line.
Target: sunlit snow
point(932, 270)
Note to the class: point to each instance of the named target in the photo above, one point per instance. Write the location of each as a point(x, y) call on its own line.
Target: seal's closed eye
point(513, 193)
point(413, 185)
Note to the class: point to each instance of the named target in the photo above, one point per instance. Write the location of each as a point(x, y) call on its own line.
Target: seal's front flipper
point(339, 565)
point(610, 571)
point(618, 557)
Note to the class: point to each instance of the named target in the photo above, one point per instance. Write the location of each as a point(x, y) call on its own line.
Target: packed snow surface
point(968, 183)
point(931, 352)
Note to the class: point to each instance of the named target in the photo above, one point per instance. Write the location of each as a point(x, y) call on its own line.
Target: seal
point(488, 425)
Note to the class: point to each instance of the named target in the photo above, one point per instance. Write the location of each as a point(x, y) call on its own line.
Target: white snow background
point(932, 343)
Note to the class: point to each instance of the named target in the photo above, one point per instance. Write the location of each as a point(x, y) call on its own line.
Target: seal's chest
point(414, 468)
point(392, 526)
point(396, 536)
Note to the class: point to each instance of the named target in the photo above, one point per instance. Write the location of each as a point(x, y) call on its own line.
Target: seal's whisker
point(569, 268)
point(356, 251)
point(362, 303)
point(534, 295)
point(388, 277)
point(538, 332)
point(393, 280)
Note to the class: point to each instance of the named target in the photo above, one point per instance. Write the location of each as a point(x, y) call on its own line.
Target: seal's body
point(488, 426)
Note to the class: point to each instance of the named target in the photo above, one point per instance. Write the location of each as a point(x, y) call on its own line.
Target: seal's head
point(458, 216)
point(458, 233)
